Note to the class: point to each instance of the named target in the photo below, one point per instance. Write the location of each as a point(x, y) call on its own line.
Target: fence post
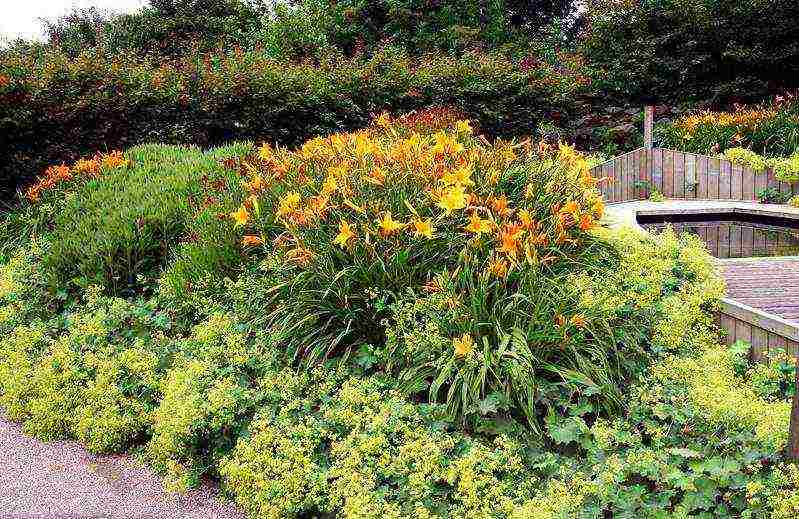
point(793, 433)
point(649, 122)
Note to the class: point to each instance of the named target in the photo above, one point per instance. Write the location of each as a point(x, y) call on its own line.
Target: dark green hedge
point(54, 108)
point(717, 50)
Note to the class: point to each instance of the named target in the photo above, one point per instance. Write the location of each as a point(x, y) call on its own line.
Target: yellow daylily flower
point(288, 204)
point(345, 233)
point(241, 217)
point(388, 225)
point(265, 151)
point(463, 127)
point(478, 225)
point(461, 176)
point(464, 345)
point(453, 198)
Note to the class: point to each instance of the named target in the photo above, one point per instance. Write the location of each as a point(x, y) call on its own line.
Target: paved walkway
point(61, 480)
point(771, 285)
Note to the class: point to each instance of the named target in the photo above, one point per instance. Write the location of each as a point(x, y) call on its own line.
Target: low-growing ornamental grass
point(404, 321)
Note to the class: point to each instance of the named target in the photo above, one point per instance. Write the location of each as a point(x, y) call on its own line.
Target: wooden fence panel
point(776, 344)
point(725, 178)
point(701, 177)
point(736, 245)
point(675, 174)
point(759, 343)
point(714, 178)
point(668, 173)
point(679, 174)
point(643, 177)
point(691, 185)
point(607, 186)
point(724, 241)
point(736, 183)
point(657, 169)
point(748, 184)
point(761, 181)
point(747, 241)
point(632, 164)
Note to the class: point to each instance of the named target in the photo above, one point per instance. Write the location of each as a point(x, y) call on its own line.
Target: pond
point(735, 235)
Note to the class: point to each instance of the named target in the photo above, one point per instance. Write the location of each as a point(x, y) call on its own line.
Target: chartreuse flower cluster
point(785, 169)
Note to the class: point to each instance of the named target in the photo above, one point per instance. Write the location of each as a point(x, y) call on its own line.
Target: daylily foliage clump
point(365, 220)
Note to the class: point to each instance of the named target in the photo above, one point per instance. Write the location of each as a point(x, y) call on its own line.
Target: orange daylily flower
point(500, 205)
point(114, 160)
point(578, 320)
point(255, 185)
point(300, 256)
point(509, 238)
point(498, 267)
point(251, 241)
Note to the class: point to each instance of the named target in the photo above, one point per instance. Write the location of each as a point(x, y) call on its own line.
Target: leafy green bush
point(693, 49)
point(55, 108)
point(164, 27)
point(95, 377)
point(119, 228)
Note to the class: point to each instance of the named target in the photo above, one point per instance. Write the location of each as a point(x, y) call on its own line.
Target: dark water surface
point(733, 235)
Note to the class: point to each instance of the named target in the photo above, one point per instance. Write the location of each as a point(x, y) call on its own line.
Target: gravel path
point(61, 480)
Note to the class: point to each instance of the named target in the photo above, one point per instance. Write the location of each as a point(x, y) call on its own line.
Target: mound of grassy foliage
point(406, 321)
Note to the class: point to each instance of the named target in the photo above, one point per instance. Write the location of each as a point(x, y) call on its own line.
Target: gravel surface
point(61, 480)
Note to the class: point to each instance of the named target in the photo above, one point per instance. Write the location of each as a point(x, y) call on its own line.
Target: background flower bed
point(759, 137)
point(183, 359)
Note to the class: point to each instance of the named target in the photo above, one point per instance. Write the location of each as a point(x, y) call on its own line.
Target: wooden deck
point(770, 285)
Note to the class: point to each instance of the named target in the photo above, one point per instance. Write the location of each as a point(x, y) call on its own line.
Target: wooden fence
point(767, 334)
point(677, 174)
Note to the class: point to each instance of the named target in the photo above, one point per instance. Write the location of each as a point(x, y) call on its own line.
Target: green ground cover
point(405, 321)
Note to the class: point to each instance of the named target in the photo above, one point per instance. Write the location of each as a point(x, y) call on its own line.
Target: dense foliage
point(694, 49)
point(405, 321)
point(302, 28)
point(207, 72)
point(56, 108)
